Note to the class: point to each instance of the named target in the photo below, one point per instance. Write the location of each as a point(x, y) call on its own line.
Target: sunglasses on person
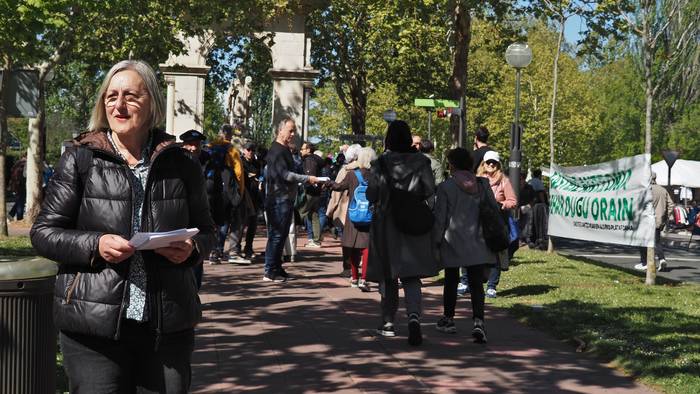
point(492, 163)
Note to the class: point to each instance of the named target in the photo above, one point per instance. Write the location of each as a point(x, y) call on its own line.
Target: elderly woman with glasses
point(490, 168)
point(126, 316)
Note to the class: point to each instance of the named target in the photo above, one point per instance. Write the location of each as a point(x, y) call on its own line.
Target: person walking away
point(663, 208)
point(192, 143)
point(125, 317)
point(540, 211)
point(230, 137)
point(355, 240)
point(480, 147)
point(490, 168)
point(18, 186)
point(400, 241)
point(251, 166)
point(526, 201)
point(281, 190)
point(309, 211)
point(224, 179)
point(338, 205)
point(459, 241)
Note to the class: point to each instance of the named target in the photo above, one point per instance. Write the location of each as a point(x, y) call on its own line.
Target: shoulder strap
point(83, 159)
point(358, 174)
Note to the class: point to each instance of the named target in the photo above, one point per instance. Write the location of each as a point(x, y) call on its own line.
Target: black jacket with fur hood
point(85, 201)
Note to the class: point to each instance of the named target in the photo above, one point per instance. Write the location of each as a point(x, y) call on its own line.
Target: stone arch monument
point(291, 73)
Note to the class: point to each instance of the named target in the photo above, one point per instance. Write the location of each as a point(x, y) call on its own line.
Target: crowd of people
point(126, 316)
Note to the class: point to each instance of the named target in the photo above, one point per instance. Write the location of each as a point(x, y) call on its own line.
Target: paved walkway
point(315, 334)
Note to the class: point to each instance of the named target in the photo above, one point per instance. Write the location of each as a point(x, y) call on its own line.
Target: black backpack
point(493, 223)
point(221, 185)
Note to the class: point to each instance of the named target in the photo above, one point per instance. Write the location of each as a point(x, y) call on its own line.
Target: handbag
point(513, 231)
point(495, 229)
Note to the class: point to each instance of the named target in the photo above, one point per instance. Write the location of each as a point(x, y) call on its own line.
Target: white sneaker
point(661, 266)
point(640, 267)
point(313, 244)
point(235, 259)
point(491, 293)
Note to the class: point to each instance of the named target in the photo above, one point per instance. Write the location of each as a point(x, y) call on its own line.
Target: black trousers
point(475, 273)
point(130, 364)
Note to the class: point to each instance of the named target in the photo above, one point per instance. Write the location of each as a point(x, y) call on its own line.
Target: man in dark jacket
point(310, 210)
point(481, 146)
point(281, 190)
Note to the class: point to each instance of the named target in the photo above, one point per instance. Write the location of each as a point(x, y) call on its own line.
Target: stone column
point(186, 77)
point(291, 70)
point(170, 102)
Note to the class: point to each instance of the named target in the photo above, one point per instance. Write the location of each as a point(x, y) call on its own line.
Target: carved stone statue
point(239, 98)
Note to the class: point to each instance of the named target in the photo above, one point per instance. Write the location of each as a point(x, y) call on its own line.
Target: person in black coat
point(126, 316)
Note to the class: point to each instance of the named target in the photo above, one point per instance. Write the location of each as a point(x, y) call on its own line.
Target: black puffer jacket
point(90, 293)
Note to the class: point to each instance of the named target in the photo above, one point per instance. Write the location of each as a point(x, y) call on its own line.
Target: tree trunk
point(36, 153)
point(462, 24)
point(649, 94)
point(555, 84)
point(648, 51)
point(358, 115)
point(6, 67)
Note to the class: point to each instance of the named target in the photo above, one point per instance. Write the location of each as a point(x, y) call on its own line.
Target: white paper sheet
point(146, 241)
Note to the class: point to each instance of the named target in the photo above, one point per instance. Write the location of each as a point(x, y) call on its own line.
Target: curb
point(676, 244)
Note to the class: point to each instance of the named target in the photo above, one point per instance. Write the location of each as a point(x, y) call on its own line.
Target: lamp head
point(389, 115)
point(518, 55)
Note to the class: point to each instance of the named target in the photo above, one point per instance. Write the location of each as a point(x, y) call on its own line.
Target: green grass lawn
point(650, 332)
point(16, 247)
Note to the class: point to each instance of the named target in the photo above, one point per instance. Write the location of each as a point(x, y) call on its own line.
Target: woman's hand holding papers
point(114, 249)
point(177, 252)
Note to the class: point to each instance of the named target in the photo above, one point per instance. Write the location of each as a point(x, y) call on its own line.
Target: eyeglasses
point(129, 98)
point(492, 163)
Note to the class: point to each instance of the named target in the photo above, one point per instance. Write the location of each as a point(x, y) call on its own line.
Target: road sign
point(433, 103)
point(22, 93)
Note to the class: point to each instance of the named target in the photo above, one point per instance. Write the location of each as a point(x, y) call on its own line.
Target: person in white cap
point(502, 189)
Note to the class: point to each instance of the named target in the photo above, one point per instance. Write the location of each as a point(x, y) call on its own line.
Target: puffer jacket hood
point(401, 168)
point(466, 181)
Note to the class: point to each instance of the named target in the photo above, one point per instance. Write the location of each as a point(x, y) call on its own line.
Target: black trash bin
point(27, 333)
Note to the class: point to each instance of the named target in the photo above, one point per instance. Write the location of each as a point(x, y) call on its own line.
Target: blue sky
point(572, 28)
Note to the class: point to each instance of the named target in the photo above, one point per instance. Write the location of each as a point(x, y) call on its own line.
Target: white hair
point(98, 119)
point(351, 153)
point(365, 157)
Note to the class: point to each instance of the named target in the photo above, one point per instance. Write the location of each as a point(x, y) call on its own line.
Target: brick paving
point(315, 334)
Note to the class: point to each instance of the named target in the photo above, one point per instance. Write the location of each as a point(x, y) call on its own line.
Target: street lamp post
point(389, 115)
point(518, 56)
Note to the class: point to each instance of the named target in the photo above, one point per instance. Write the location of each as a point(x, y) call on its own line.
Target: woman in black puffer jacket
point(126, 317)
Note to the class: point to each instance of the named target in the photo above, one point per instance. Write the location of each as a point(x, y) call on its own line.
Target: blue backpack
point(359, 210)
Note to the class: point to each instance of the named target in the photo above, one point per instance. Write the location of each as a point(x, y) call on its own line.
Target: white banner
point(607, 202)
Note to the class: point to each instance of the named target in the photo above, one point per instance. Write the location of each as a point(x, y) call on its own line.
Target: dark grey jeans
point(389, 290)
point(131, 364)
